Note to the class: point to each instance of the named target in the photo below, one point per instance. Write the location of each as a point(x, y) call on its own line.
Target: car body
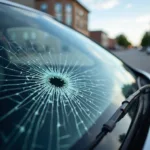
point(140, 48)
point(58, 87)
point(148, 50)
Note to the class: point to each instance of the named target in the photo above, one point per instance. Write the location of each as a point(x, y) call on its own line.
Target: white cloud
point(108, 4)
point(101, 4)
point(129, 5)
point(143, 19)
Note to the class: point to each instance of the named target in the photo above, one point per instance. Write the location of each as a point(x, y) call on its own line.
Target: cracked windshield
point(54, 82)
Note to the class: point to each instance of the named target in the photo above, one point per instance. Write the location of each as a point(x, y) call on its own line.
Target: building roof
point(81, 5)
point(99, 31)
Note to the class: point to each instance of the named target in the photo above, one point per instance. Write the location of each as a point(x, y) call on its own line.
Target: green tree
point(146, 40)
point(122, 41)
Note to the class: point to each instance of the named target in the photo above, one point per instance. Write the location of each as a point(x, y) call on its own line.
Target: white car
point(148, 50)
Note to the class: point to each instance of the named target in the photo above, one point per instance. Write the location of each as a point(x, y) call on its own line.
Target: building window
point(13, 36)
point(68, 12)
point(80, 19)
point(25, 35)
point(58, 11)
point(81, 13)
point(44, 7)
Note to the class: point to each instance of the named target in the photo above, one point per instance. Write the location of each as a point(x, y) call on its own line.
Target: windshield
point(54, 82)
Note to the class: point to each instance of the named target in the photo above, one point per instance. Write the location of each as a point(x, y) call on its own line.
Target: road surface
point(135, 58)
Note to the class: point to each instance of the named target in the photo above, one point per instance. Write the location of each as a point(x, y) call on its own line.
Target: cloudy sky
point(131, 17)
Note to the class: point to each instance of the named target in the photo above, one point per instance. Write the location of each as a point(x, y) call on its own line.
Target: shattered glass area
point(49, 100)
point(54, 82)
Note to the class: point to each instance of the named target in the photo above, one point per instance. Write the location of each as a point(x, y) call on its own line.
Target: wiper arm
point(118, 115)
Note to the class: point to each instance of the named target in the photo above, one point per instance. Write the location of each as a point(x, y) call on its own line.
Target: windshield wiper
point(118, 115)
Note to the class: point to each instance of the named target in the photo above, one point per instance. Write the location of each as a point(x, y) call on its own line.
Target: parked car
point(58, 88)
point(148, 50)
point(143, 49)
point(140, 48)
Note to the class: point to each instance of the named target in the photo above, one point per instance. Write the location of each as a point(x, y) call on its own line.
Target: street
point(135, 58)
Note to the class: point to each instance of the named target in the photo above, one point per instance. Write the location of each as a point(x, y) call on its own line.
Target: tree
point(122, 41)
point(146, 40)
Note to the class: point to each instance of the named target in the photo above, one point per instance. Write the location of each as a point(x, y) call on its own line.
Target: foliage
point(146, 40)
point(122, 41)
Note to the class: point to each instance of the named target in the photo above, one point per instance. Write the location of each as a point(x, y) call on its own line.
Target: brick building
point(103, 39)
point(70, 12)
point(100, 37)
point(112, 44)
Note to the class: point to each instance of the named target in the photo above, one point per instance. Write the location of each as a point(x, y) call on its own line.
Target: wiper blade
point(118, 115)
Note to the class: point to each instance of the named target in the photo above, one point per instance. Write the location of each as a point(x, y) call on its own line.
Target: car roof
point(7, 2)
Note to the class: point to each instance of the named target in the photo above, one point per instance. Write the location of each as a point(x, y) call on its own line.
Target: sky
point(130, 17)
